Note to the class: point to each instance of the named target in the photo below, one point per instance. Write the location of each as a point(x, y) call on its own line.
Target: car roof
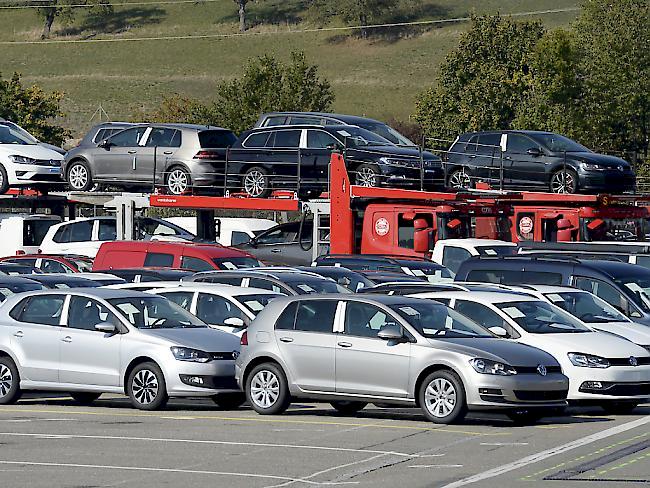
point(17, 280)
point(342, 117)
point(548, 288)
point(480, 296)
point(218, 289)
point(100, 292)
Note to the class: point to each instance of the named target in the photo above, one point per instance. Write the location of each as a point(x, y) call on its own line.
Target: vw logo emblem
point(633, 361)
point(235, 354)
point(620, 168)
point(541, 369)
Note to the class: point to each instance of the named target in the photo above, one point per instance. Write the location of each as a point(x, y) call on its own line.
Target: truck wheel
point(367, 175)
point(256, 182)
point(9, 382)
point(442, 397)
point(4, 180)
point(564, 181)
point(459, 179)
point(267, 390)
point(79, 177)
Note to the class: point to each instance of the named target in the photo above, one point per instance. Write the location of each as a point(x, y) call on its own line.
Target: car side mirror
point(534, 151)
point(391, 333)
point(106, 327)
point(234, 322)
point(499, 331)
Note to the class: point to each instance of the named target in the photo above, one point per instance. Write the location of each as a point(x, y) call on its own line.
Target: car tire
point(348, 407)
point(10, 391)
point(367, 175)
point(442, 397)
point(79, 177)
point(267, 390)
point(4, 180)
point(255, 182)
point(147, 388)
point(178, 180)
point(524, 417)
point(85, 398)
point(229, 401)
point(564, 181)
point(459, 179)
point(619, 408)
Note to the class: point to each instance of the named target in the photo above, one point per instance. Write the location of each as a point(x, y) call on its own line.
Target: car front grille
point(626, 361)
point(533, 369)
point(224, 356)
point(540, 395)
point(620, 389)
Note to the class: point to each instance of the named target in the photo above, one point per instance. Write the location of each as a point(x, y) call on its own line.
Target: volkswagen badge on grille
point(541, 369)
point(620, 167)
point(633, 361)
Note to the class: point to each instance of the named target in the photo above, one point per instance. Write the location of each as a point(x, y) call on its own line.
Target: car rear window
point(34, 230)
point(216, 138)
point(235, 262)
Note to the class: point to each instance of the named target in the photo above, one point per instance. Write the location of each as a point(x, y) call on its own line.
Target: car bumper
point(201, 379)
point(28, 174)
point(607, 181)
point(617, 383)
point(523, 390)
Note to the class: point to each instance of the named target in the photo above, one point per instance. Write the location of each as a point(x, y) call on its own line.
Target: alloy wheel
point(366, 176)
point(562, 182)
point(254, 183)
point(177, 182)
point(78, 177)
point(460, 180)
point(145, 386)
point(440, 397)
point(265, 389)
point(6, 380)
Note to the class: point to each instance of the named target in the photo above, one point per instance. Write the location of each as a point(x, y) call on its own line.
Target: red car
point(52, 263)
point(189, 256)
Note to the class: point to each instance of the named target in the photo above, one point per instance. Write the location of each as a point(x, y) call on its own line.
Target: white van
point(230, 230)
point(24, 232)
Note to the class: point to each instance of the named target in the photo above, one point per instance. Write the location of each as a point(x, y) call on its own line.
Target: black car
point(63, 280)
point(351, 280)
point(140, 275)
point(534, 160)
point(10, 285)
point(624, 286)
point(297, 158)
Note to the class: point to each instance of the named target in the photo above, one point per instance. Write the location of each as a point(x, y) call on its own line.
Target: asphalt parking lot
point(48, 441)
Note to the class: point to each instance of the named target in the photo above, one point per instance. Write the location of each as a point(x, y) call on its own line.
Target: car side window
point(256, 140)
point(287, 318)
point(213, 309)
point(44, 309)
point(484, 316)
point(84, 313)
point(238, 237)
point(453, 257)
point(603, 290)
point(128, 138)
point(275, 120)
point(107, 230)
point(282, 235)
point(316, 315)
point(304, 120)
point(224, 280)
point(364, 320)
point(62, 234)
point(164, 137)
point(488, 144)
point(181, 298)
point(52, 266)
point(265, 285)
point(195, 264)
point(519, 144)
point(159, 259)
point(287, 139)
point(318, 139)
point(80, 231)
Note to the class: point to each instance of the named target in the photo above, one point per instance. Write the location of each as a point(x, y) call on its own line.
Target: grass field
point(378, 77)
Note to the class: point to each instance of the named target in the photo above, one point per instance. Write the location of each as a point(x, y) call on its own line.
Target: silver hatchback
point(350, 350)
point(92, 341)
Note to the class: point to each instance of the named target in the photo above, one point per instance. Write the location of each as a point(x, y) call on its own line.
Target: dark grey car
point(181, 156)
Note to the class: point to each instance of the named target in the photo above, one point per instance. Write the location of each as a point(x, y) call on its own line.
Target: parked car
point(602, 368)
point(104, 279)
point(533, 159)
point(10, 285)
point(29, 136)
point(626, 252)
point(624, 286)
point(281, 157)
point(411, 288)
point(188, 256)
point(230, 231)
point(347, 278)
point(410, 265)
point(141, 275)
point(26, 163)
point(379, 277)
point(591, 310)
point(354, 349)
point(273, 119)
point(288, 282)
point(224, 307)
point(52, 263)
point(18, 269)
point(181, 156)
point(64, 280)
point(452, 252)
point(84, 236)
point(24, 233)
point(113, 341)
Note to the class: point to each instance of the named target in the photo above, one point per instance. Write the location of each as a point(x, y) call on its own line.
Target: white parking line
point(503, 443)
point(436, 466)
point(224, 443)
point(540, 456)
point(173, 470)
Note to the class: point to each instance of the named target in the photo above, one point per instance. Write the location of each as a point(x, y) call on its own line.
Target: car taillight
point(206, 155)
point(244, 339)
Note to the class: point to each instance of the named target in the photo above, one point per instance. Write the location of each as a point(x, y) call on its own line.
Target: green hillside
point(379, 76)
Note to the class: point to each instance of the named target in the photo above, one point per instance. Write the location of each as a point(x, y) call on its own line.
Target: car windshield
point(432, 273)
point(255, 303)
point(6, 290)
point(434, 320)
point(558, 143)
point(357, 137)
point(236, 263)
point(639, 286)
point(155, 313)
point(10, 135)
point(538, 317)
point(587, 307)
point(388, 133)
point(496, 250)
point(307, 286)
point(83, 265)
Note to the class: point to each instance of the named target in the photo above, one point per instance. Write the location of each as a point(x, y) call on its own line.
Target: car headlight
point(192, 355)
point(485, 366)
point(411, 163)
point(595, 167)
point(21, 159)
point(587, 360)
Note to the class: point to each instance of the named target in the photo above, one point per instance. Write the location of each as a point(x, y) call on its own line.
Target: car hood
point(637, 333)
point(54, 148)
point(496, 349)
point(399, 151)
point(34, 151)
point(596, 343)
point(204, 338)
point(603, 159)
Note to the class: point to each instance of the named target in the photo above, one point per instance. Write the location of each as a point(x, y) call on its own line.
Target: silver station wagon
point(350, 350)
point(89, 341)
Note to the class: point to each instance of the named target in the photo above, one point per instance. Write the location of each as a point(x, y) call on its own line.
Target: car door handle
point(132, 152)
point(345, 344)
point(276, 250)
point(167, 152)
point(18, 334)
point(286, 339)
point(472, 156)
point(67, 339)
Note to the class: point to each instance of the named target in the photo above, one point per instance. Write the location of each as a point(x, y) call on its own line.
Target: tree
point(241, 10)
point(32, 108)
point(179, 109)
point(482, 82)
point(49, 10)
point(352, 12)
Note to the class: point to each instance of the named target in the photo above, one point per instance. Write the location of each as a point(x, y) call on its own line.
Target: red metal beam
point(207, 203)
